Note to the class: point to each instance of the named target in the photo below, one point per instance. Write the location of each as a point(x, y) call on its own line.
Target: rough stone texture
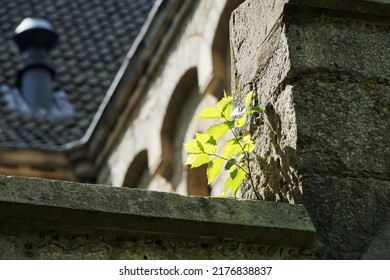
point(321, 75)
point(43, 244)
point(44, 219)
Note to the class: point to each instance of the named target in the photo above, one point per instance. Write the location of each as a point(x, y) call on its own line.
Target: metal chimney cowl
point(35, 38)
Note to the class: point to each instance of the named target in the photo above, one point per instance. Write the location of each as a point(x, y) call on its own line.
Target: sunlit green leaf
point(202, 138)
point(236, 182)
point(213, 168)
point(231, 148)
point(254, 109)
point(193, 147)
point(206, 143)
point(248, 144)
point(211, 146)
point(196, 160)
point(240, 122)
point(209, 113)
point(221, 105)
point(248, 99)
point(227, 111)
point(243, 167)
point(237, 175)
point(218, 130)
point(227, 185)
point(225, 93)
point(246, 136)
point(249, 147)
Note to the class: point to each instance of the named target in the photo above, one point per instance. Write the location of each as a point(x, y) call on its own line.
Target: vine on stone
point(235, 153)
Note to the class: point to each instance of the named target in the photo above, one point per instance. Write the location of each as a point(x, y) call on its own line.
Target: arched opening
point(180, 112)
point(137, 175)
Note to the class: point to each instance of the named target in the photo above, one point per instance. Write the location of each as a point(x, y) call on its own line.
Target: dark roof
point(94, 39)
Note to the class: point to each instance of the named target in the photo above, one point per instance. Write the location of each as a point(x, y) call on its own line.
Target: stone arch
point(137, 175)
point(179, 112)
point(195, 178)
point(221, 48)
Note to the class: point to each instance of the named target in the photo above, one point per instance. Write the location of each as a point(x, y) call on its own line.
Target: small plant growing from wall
point(236, 153)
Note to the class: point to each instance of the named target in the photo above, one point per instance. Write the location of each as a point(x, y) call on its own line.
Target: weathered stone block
point(62, 220)
point(320, 72)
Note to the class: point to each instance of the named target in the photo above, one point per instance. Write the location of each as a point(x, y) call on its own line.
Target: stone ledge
point(369, 7)
point(58, 204)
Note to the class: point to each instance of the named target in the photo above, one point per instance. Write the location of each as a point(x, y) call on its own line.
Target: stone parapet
point(44, 219)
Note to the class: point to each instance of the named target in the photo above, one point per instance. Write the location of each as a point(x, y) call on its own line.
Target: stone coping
point(372, 7)
point(59, 204)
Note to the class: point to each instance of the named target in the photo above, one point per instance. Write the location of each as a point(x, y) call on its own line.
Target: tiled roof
point(94, 38)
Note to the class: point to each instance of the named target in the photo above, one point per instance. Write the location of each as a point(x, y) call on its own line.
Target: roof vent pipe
point(35, 37)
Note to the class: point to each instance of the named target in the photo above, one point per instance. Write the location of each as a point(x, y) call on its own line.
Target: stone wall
point(43, 219)
point(320, 71)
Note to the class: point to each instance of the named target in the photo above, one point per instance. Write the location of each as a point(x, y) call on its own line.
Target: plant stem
point(251, 178)
point(249, 173)
point(227, 160)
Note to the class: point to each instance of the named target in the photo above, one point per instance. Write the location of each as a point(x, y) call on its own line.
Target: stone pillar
point(320, 70)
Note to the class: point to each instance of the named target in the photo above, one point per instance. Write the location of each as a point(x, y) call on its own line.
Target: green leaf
point(249, 147)
point(193, 147)
point(224, 93)
point(230, 124)
point(248, 99)
point(210, 149)
point(202, 138)
point(230, 163)
point(231, 148)
point(211, 146)
point(209, 113)
point(240, 122)
point(246, 136)
point(223, 102)
point(227, 111)
point(221, 105)
point(233, 172)
point(248, 144)
point(218, 130)
point(236, 182)
point(254, 109)
point(237, 175)
point(242, 167)
point(196, 160)
point(227, 185)
point(213, 168)
point(206, 143)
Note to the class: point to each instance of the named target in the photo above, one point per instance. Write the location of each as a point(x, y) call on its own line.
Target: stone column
point(320, 70)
